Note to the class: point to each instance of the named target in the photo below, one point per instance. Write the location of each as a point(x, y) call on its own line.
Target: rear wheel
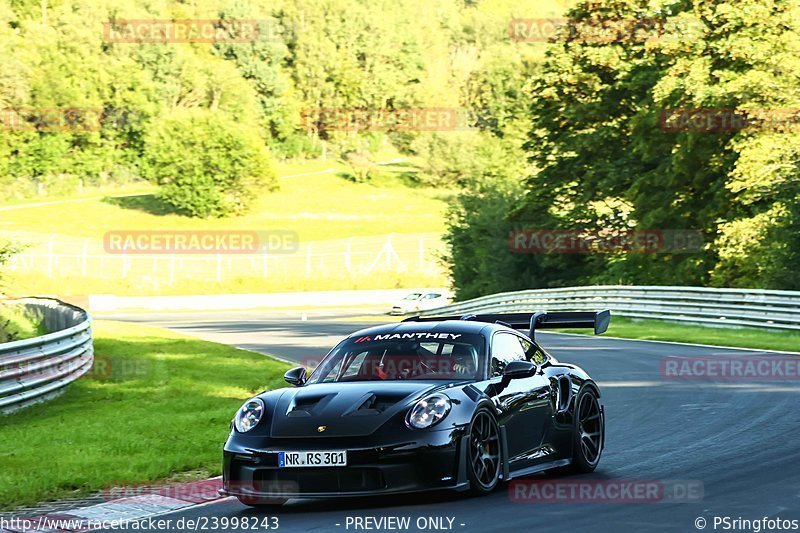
point(483, 453)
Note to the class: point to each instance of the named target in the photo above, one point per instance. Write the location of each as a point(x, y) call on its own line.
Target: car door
point(524, 403)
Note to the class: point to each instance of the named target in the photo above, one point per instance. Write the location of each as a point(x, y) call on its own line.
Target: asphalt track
point(739, 440)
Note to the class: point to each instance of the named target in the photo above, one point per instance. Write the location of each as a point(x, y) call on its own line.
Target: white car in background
point(421, 301)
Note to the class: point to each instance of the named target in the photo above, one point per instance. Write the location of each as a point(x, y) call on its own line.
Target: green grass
point(136, 187)
point(17, 323)
point(156, 405)
point(318, 207)
point(668, 331)
point(32, 283)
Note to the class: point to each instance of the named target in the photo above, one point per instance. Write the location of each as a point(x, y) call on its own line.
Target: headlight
point(428, 411)
point(248, 416)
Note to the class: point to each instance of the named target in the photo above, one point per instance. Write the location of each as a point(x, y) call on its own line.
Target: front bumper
point(434, 460)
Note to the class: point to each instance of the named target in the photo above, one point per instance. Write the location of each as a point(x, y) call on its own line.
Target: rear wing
point(596, 320)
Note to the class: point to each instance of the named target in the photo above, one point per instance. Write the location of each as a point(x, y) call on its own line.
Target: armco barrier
point(35, 369)
point(698, 305)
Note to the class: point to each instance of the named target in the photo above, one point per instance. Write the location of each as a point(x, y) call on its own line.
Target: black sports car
point(429, 403)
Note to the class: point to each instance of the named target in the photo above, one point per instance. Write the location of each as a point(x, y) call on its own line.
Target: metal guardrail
point(698, 305)
point(35, 369)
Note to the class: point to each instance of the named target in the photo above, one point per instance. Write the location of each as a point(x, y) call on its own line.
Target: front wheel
point(483, 453)
point(588, 432)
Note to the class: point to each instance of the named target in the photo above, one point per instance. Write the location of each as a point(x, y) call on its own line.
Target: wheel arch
point(590, 384)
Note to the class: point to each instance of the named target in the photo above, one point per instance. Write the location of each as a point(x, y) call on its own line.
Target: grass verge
point(658, 330)
point(156, 405)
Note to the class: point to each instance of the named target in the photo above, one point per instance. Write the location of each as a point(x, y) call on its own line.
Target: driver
point(463, 362)
point(402, 361)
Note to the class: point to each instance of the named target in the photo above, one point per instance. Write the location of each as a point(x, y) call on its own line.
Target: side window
point(506, 347)
point(533, 353)
point(331, 373)
point(355, 365)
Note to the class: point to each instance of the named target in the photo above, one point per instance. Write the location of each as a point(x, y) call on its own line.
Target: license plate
point(306, 459)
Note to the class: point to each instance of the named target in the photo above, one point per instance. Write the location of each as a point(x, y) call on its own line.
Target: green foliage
point(206, 165)
point(309, 56)
point(596, 156)
point(760, 251)
point(604, 162)
point(462, 158)
point(7, 249)
point(17, 323)
point(492, 172)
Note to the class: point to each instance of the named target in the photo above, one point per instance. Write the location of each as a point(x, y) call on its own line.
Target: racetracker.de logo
point(51, 119)
point(407, 119)
point(605, 491)
point(565, 241)
point(594, 30)
point(731, 368)
point(195, 491)
point(187, 31)
point(727, 120)
point(200, 242)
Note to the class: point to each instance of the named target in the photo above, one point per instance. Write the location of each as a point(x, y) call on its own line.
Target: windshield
point(413, 296)
point(397, 356)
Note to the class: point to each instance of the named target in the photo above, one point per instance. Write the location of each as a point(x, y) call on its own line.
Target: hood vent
point(374, 404)
point(308, 405)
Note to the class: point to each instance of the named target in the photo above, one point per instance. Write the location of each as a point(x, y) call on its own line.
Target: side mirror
point(519, 369)
point(295, 376)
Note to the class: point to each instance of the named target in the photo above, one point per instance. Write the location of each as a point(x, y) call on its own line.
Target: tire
point(588, 433)
point(261, 503)
point(484, 457)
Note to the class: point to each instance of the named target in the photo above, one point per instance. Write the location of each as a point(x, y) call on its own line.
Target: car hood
point(344, 409)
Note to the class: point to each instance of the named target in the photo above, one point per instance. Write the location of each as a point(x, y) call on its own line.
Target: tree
point(207, 165)
point(605, 160)
point(758, 244)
